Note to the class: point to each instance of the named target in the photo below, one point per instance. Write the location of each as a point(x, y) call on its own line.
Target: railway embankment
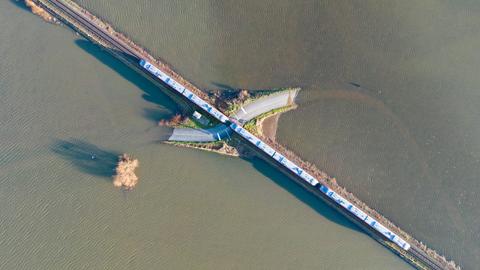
point(39, 11)
point(419, 255)
point(251, 107)
point(429, 258)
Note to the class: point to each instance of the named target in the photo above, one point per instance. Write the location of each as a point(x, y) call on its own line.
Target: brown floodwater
point(407, 141)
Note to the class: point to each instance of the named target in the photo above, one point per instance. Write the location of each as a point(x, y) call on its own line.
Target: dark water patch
point(156, 115)
point(151, 92)
point(87, 157)
point(20, 4)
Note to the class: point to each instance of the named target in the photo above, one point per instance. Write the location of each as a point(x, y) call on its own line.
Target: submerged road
point(75, 17)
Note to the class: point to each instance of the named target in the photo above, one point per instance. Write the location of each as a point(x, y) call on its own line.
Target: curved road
point(244, 114)
point(249, 111)
point(217, 133)
point(265, 104)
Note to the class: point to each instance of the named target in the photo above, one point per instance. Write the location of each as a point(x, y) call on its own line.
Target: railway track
point(420, 255)
point(117, 44)
point(99, 32)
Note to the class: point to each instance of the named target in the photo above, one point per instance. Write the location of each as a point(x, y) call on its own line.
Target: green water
point(63, 100)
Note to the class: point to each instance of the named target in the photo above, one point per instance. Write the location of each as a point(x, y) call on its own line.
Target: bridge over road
point(244, 114)
point(370, 221)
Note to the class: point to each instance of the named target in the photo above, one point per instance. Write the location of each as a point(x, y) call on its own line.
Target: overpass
point(133, 55)
point(243, 114)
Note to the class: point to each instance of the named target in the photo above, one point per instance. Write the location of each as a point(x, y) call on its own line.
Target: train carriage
point(278, 157)
point(366, 218)
point(181, 89)
point(265, 148)
point(310, 179)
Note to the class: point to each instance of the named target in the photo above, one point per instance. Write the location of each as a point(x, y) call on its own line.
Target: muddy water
point(407, 141)
point(63, 100)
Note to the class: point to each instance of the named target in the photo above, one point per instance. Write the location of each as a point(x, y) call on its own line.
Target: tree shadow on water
point(87, 157)
point(151, 92)
point(301, 194)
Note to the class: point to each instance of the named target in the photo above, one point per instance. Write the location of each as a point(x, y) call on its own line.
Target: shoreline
point(268, 126)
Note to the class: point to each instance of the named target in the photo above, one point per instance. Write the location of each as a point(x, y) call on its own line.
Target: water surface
point(63, 99)
point(407, 141)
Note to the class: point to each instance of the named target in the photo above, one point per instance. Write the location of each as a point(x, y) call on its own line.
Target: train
point(182, 90)
point(285, 162)
point(364, 217)
point(370, 221)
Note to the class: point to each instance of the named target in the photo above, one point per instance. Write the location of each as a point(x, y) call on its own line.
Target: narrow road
point(244, 114)
point(265, 104)
point(217, 133)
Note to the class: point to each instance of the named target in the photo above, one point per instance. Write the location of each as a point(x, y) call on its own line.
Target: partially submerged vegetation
point(183, 121)
point(232, 100)
point(255, 125)
point(37, 10)
point(229, 101)
point(127, 165)
point(125, 172)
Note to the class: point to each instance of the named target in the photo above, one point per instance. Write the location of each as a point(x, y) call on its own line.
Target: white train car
point(292, 167)
point(182, 90)
point(295, 169)
point(337, 198)
point(387, 233)
point(365, 218)
point(357, 212)
point(252, 138)
point(278, 157)
point(265, 148)
point(310, 179)
point(245, 134)
point(220, 116)
point(401, 243)
point(186, 92)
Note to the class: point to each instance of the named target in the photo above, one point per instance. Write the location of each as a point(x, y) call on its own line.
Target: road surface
point(265, 104)
point(244, 114)
point(217, 133)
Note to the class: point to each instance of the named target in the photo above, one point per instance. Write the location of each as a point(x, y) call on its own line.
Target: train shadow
point(87, 157)
point(166, 107)
point(301, 194)
point(20, 4)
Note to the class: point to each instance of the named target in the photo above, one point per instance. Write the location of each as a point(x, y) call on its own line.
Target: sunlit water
point(63, 100)
point(407, 141)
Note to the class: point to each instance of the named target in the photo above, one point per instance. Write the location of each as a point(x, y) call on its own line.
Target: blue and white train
point(274, 154)
point(277, 156)
point(314, 182)
point(182, 90)
point(364, 217)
